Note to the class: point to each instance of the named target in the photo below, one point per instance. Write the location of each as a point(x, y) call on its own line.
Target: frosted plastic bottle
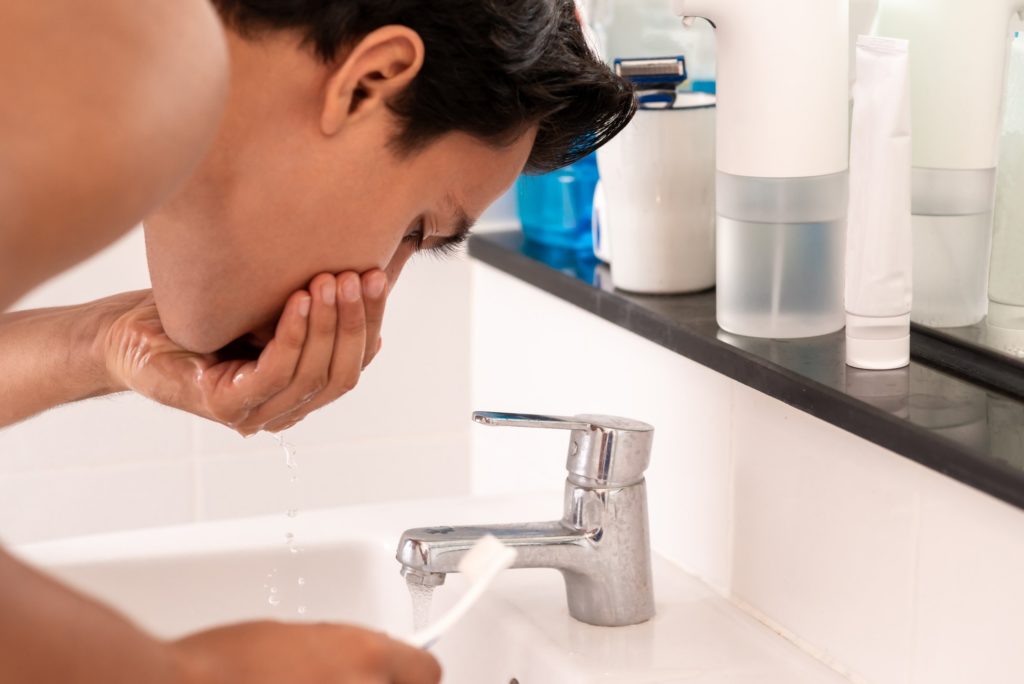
point(783, 126)
point(956, 132)
point(1006, 281)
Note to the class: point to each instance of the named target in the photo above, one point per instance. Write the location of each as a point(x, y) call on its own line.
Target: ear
point(379, 67)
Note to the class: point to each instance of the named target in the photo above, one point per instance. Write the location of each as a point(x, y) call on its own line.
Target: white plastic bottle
point(1006, 281)
point(958, 63)
point(879, 254)
point(783, 127)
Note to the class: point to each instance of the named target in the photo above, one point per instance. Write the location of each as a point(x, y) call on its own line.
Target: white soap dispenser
point(958, 56)
point(782, 150)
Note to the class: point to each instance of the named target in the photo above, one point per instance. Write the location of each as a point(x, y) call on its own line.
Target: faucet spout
point(601, 547)
point(439, 550)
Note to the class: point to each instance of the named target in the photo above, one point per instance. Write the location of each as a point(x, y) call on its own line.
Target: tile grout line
point(915, 602)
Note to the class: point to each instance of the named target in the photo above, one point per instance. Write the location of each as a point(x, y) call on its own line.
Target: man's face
point(278, 202)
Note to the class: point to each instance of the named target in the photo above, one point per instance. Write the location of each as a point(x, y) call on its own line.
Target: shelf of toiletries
point(963, 428)
point(829, 177)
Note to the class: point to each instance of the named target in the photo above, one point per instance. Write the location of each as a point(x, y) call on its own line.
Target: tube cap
point(877, 342)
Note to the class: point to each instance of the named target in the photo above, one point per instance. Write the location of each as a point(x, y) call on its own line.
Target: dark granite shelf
point(964, 429)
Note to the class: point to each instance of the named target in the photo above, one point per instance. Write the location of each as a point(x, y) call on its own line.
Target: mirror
point(967, 72)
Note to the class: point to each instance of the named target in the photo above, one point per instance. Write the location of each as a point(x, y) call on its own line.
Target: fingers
point(346, 363)
point(410, 665)
point(324, 340)
point(243, 387)
point(350, 345)
point(375, 285)
point(269, 653)
point(312, 374)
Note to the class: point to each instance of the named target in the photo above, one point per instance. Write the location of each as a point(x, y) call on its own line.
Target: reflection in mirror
point(955, 135)
point(1009, 341)
point(968, 148)
point(1006, 418)
point(958, 411)
point(888, 390)
point(1006, 283)
point(817, 358)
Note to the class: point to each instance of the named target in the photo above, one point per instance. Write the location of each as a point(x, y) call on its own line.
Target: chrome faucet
point(601, 545)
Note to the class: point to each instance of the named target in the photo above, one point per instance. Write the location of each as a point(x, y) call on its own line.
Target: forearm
point(50, 357)
point(49, 633)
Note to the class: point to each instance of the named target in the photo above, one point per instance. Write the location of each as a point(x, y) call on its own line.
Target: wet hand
point(324, 338)
point(270, 653)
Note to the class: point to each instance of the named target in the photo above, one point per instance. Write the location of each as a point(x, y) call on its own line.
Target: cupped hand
point(270, 653)
point(326, 335)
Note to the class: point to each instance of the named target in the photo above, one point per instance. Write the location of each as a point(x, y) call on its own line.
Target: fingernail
point(375, 285)
point(350, 288)
point(304, 304)
point(327, 291)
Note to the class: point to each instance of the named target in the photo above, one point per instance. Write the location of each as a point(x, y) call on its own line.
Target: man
point(281, 198)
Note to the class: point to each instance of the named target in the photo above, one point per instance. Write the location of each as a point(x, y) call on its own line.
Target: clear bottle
point(781, 250)
point(782, 157)
point(956, 132)
point(1006, 280)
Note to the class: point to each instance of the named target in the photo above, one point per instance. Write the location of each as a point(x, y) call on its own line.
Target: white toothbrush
point(480, 565)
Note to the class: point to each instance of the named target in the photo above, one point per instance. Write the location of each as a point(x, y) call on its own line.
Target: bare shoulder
point(105, 106)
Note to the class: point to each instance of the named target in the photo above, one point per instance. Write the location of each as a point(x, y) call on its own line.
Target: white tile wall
point(887, 571)
point(403, 432)
point(254, 483)
point(970, 601)
point(72, 501)
point(825, 536)
point(568, 361)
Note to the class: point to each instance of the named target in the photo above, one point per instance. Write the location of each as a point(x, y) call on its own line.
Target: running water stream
point(422, 596)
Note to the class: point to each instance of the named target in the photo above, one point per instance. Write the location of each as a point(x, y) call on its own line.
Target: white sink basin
point(176, 580)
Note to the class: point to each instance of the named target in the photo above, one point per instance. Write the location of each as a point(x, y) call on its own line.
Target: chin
point(194, 327)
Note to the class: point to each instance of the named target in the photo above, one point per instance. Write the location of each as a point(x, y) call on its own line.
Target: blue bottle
point(556, 208)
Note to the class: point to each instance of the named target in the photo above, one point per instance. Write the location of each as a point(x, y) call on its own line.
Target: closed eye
point(450, 245)
point(445, 247)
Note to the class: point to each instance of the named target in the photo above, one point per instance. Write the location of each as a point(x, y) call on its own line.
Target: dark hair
point(492, 68)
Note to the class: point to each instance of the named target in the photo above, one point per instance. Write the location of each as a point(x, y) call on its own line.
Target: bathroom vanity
point(873, 518)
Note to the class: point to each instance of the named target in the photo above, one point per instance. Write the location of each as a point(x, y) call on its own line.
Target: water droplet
point(290, 536)
point(301, 581)
point(289, 451)
point(292, 512)
point(294, 549)
point(273, 590)
point(273, 600)
point(301, 610)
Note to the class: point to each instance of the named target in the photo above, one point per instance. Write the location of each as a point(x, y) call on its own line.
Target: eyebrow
point(462, 224)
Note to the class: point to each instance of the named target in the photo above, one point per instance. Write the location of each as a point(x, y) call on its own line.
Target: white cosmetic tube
point(879, 253)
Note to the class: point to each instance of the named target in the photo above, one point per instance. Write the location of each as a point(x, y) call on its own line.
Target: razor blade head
point(653, 71)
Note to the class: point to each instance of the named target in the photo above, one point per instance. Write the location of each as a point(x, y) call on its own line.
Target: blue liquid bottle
point(556, 208)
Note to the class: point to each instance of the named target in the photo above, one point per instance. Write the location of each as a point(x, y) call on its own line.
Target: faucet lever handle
point(603, 450)
point(529, 420)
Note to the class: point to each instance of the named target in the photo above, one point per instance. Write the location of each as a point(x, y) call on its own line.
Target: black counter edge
point(868, 422)
point(971, 362)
